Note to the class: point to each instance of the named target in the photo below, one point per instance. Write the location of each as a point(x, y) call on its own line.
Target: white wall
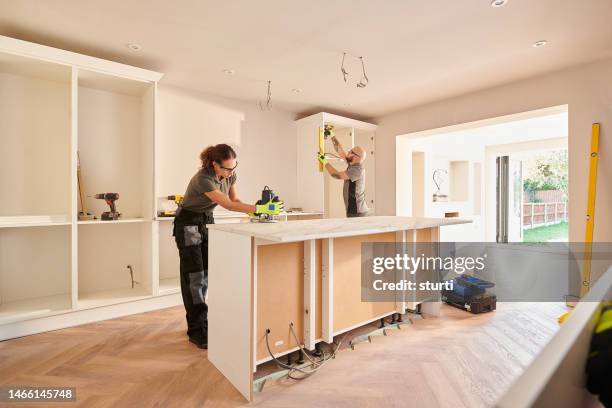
point(586, 89)
point(189, 121)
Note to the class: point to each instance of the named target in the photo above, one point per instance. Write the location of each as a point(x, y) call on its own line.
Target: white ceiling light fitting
point(134, 46)
point(498, 3)
point(228, 71)
point(539, 44)
point(296, 90)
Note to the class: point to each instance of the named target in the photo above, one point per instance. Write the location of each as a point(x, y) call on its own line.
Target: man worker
point(353, 176)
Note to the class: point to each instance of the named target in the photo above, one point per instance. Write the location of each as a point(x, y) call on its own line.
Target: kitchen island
point(263, 278)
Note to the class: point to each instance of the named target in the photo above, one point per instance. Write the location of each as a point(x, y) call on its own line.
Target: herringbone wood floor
point(457, 360)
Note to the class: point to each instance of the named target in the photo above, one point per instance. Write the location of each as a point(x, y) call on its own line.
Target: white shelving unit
point(351, 133)
point(169, 281)
point(57, 271)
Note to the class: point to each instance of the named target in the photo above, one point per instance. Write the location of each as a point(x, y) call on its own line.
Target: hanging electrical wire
point(344, 71)
point(268, 103)
point(363, 82)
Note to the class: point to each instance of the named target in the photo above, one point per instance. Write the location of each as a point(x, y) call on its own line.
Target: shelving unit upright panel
point(169, 263)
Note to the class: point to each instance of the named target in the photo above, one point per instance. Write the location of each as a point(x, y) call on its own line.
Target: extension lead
point(317, 364)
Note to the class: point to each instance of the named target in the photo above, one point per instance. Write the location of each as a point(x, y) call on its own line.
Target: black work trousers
point(191, 238)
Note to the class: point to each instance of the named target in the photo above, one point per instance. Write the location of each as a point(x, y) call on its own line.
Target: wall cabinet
point(317, 191)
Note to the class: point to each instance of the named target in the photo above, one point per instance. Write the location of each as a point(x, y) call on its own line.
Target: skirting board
point(77, 318)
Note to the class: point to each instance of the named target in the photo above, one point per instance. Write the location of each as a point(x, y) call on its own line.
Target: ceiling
point(415, 51)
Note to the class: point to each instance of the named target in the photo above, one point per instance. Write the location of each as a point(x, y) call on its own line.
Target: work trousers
point(191, 238)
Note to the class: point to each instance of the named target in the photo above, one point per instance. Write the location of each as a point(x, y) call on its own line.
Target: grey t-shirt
point(354, 190)
point(205, 181)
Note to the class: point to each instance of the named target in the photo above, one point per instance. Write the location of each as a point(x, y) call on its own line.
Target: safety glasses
point(228, 169)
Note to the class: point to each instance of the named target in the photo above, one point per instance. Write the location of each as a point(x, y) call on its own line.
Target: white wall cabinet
point(317, 191)
point(57, 271)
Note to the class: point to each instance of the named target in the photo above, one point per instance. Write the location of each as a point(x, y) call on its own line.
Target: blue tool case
point(469, 293)
point(468, 286)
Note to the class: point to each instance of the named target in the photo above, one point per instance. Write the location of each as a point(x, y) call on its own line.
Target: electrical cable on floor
point(300, 346)
point(317, 364)
point(288, 367)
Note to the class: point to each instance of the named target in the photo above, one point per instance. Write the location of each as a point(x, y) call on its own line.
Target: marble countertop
point(234, 214)
point(332, 227)
point(221, 214)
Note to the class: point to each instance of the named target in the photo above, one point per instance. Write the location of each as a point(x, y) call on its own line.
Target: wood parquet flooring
point(457, 360)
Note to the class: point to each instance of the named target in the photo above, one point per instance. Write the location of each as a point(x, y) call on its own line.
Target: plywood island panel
point(348, 310)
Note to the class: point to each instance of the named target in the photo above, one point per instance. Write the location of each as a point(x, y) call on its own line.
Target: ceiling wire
point(363, 82)
point(268, 103)
point(344, 71)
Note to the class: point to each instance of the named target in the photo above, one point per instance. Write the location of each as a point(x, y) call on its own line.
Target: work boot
point(199, 339)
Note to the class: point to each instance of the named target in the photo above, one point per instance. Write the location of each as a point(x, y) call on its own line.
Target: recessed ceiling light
point(229, 71)
point(498, 3)
point(296, 90)
point(540, 43)
point(134, 47)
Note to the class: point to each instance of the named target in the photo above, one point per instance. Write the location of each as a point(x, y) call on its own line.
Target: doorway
point(464, 160)
point(532, 196)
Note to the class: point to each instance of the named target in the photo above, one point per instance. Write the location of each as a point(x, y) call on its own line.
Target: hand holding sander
point(268, 207)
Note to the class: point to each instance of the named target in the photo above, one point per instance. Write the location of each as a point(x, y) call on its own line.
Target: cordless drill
point(177, 198)
point(110, 199)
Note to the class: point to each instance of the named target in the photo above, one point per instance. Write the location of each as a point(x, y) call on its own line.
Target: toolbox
point(470, 293)
point(467, 285)
point(486, 302)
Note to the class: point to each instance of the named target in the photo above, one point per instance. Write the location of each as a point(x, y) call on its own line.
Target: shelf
point(32, 308)
point(34, 221)
point(169, 285)
point(90, 300)
point(122, 221)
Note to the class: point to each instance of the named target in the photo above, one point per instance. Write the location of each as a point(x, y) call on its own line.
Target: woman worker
point(214, 184)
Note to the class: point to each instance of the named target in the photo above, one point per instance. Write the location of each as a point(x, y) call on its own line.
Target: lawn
point(556, 232)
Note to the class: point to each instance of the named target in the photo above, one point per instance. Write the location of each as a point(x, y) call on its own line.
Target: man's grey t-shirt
point(354, 190)
point(205, 181)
